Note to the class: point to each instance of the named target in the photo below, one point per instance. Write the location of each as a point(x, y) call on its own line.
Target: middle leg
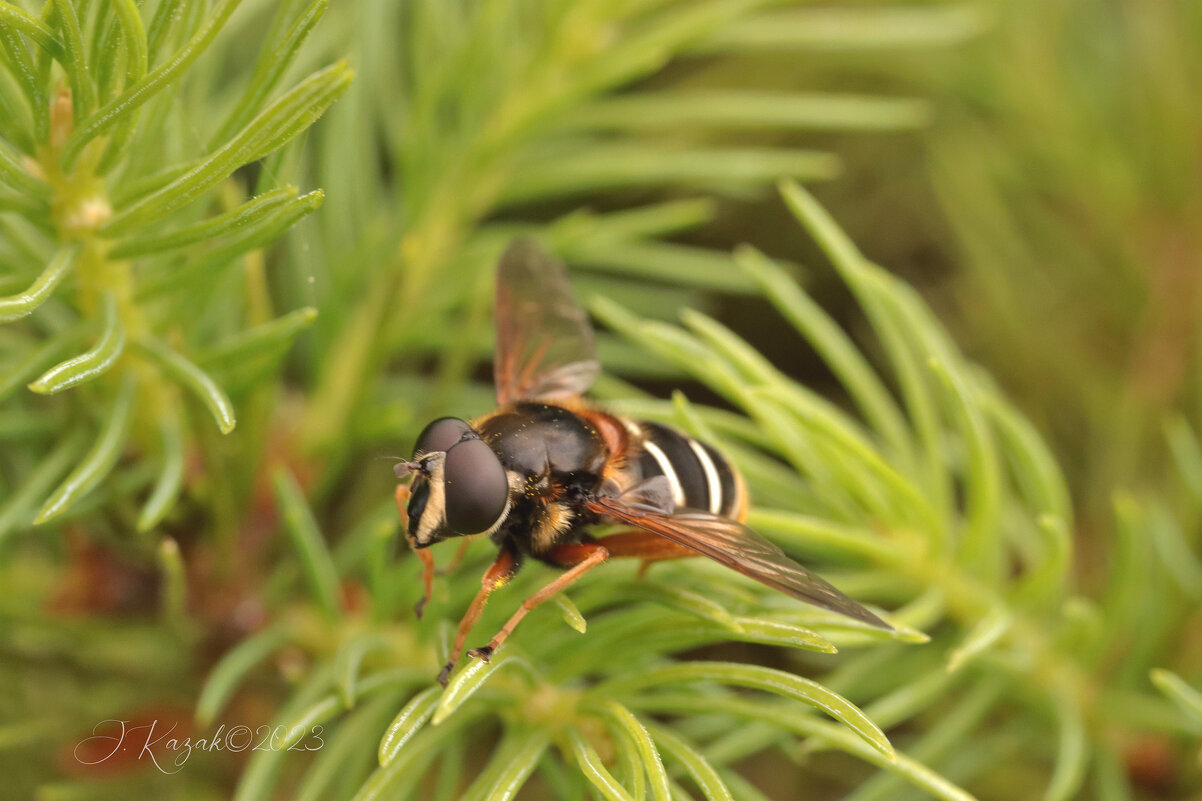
point(579, 558)
point(495, 577)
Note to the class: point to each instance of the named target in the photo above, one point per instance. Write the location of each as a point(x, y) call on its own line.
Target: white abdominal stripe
point(699, 476)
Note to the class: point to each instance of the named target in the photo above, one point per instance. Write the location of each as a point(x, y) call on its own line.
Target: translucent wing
point(733, 544)
point(545, 348)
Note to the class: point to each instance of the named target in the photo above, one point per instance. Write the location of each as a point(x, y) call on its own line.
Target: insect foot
point(444, 675)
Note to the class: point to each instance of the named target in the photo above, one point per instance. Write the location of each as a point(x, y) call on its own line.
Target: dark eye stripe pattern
point(700, 477)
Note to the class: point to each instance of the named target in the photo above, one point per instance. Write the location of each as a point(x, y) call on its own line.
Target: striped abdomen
point(700, 477)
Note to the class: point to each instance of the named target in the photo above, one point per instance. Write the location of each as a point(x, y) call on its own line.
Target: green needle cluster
point(974, 550)
point(197, 522)
point(120, 221)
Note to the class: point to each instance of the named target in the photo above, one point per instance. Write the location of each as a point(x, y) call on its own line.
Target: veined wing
point(733, 544)
point(545, 347)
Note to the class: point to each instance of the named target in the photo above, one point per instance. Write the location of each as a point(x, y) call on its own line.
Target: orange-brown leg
point(458, 558)
point(502, 570)
point(580, 559)
point(427, 558)
point(646, 546)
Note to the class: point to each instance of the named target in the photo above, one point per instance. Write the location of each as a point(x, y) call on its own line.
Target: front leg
point(427, 558)
point(580, 558)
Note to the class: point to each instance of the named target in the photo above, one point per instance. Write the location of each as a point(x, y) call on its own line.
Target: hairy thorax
point(555, 457)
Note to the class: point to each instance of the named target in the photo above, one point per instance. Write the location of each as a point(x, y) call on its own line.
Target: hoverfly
point(545, 467)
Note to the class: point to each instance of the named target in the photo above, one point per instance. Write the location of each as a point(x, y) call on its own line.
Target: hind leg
point(643, 545)
point(579, 559)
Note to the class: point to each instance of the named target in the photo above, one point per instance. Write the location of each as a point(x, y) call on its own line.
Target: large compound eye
point(476, 487)
point(440, 435)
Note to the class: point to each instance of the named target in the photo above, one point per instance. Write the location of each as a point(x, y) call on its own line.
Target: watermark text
point(169, 749)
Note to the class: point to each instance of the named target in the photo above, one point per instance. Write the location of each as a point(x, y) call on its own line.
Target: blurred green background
point(246, 252)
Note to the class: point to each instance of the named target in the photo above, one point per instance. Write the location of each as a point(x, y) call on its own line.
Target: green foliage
point(1067, 177)
point(155, 564)
point(507, 109)
point(120, 212)
point(1015, 662)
